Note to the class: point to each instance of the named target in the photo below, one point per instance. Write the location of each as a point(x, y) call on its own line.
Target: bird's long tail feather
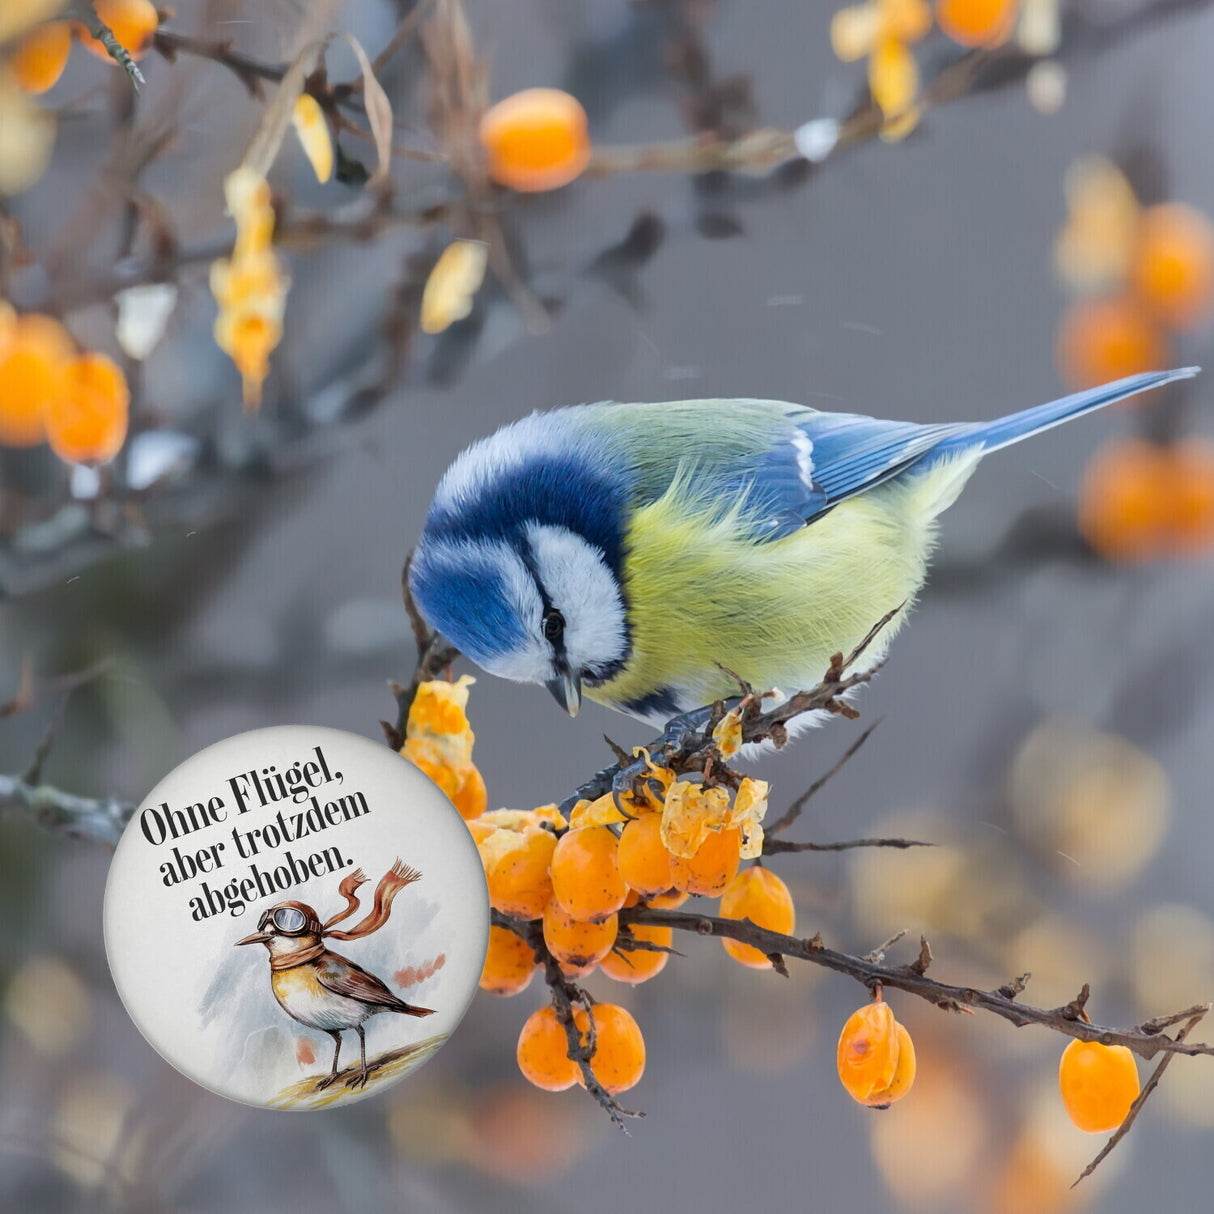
point(1011, 429)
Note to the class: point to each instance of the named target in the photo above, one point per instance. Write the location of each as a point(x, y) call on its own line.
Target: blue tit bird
point(630, 551)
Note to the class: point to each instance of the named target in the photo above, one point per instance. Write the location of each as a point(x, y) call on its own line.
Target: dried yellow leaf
point(728, 734)
point(312, 129)
point(453, 284)
point(690, 813)
point(602, 812)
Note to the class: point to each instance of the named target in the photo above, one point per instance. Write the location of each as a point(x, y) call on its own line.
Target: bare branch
point(1194, 1018)
point(793, 812)
point(772, 847)
point(912, 979)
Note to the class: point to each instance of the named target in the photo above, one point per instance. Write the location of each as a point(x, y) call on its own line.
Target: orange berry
point(1098, 1084)
point(577, 943)
point(1104, 339)
point(509, 963)
point(875, 1057)
point(586, 877)
point(977, 22)
point(87, 422)
point(471, 797)
point(543, 1052)
point(1173, 265)
point(618, 1061)
point(1123, 500)
point(516, 870)
point(712, 868)
point(644, 860)
point(759, 895)
point(33, 361)
point(536, 140)
point(132, 22)
point(636, 965)
point(40, 57)
point(671, 900)
point(1191, 523)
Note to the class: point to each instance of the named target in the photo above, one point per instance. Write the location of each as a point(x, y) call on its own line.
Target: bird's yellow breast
point(702, 591)
point(297, 983)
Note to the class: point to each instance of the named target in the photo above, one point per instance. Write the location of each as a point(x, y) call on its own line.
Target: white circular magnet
point(296, 917)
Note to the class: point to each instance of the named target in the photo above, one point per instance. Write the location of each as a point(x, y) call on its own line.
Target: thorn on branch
point(87, 12)
point(920, 964)
point(1009, 990)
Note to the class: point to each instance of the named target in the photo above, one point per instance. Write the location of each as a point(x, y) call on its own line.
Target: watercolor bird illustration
point(320, 988)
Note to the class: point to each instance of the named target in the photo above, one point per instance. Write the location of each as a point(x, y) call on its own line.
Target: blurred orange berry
point(132, 22)
point(509, 963)
point(875, 1057)
point(1192, 496)
point(1123, 500)
point(977, 22)
point(644, 860)
point(1173, 264)
point(1098, 1084)
point(618, 1061)
point(543, 1052)
point(39, 58)
point(86, 422)
point(713, 866)
point(1106, 339)
point(33, 362)
point(536, 140)
point(577, 943)
point(586, 877)
point(759, 895)
point(636, 965)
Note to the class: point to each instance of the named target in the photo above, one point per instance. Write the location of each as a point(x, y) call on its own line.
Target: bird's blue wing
point(826, 458)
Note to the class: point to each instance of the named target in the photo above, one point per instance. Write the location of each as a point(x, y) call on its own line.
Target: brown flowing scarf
point(392, 882)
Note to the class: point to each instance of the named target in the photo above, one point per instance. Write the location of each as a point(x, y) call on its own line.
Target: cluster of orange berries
point(876, 1063)
point(52, 393)
point(574, 876)
point(38, 58)
point(1140, 274)
point(884, 30)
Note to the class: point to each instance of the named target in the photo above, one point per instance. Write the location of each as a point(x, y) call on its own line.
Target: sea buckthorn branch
point(565, 996)
point(687, 744)
point(96, 819)
point(433, 657)
point(1192, 1017)
point(1146, 1040)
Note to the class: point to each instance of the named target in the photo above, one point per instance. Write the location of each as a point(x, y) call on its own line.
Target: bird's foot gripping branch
point(606, 879)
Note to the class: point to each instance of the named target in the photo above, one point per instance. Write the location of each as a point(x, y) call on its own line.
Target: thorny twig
point(1146, 1040)
point(687, 744)
point(793, 812)
point(1192, 1017)
point(433, 657)
point(565, 995)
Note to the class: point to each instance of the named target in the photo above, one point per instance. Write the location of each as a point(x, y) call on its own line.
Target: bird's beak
point(566, 690)
point(255, 938)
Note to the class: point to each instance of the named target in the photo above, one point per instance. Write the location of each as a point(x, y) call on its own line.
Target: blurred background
point(1046, 716)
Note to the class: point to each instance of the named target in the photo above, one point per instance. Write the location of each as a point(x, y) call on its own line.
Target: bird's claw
point(359, 1080)
point(329, 1079)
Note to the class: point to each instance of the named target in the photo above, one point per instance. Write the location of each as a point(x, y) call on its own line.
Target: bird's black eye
point(553, 625)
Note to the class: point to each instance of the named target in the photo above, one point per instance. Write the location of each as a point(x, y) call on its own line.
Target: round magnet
point(296, 917)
